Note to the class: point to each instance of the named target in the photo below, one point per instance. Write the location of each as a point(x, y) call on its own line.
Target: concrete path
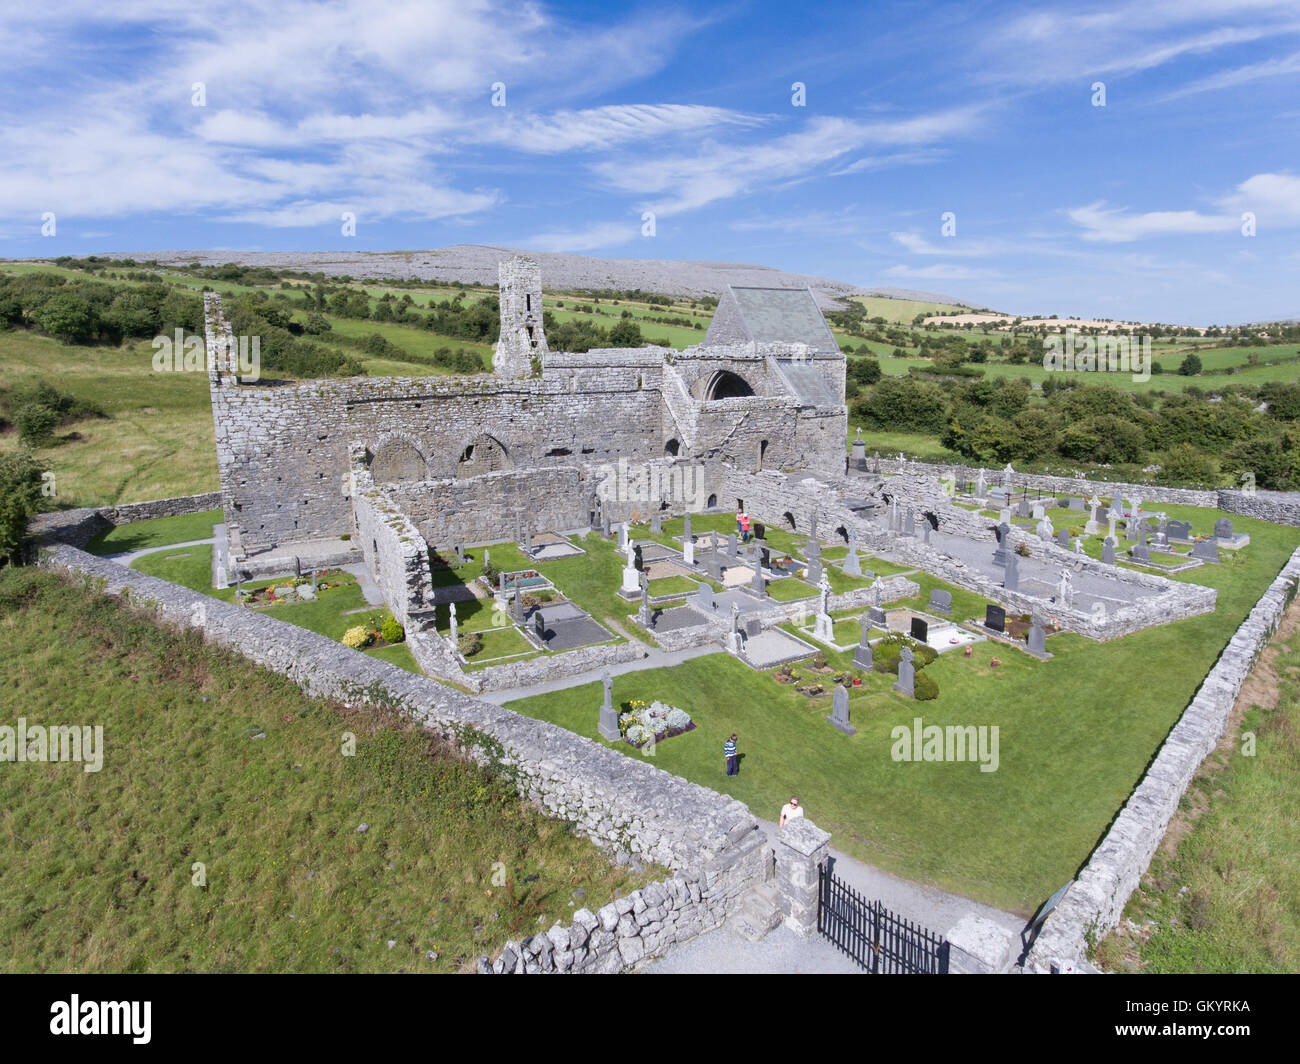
point(782, 952)
point(369, 589)
point(656, 659)
point(126, 557)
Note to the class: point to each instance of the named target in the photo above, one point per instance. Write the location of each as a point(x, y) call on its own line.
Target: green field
point(222, 832)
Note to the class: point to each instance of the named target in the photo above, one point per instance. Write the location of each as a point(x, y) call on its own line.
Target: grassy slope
point(97, 866)
point(1076, 735)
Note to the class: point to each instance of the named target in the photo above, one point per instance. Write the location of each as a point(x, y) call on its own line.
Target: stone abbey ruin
point(414, 483)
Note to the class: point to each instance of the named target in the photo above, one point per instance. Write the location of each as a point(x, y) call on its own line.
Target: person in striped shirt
point(729, 752)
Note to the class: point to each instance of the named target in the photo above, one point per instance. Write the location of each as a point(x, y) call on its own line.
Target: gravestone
point(1038, 512)
point(852, 565)
point(997, 496)
point(1117, 506)
point(1023, 509)
point(1037, 639)
point(539, 625)
point(605, 529)
point(1004, 515)
point(528, 540)
point(622, 534)
point(877, 617)
point(1223, 528)
point(920, 629)
point(1207, 550)
point(995, 618)
point(460, 553)
point(608, 726)
point(643, 614)
point(753, 627)
point(731, 544)
point(1131, 530)
point(1065, 589)
point(756, 584)
point(909, 523)
point(688, 550)
point(713, 565)
point(1045, 529)
point(704, 598)
point(862, 657)
point(1141, 552)
point(451, 616)
point(906, 673)
point(839, 717)
point(1094, 522)
point(941, 602)
point(981, 486)
point(1003, 552)
point(859, 452)
point(1011, 574)
point(1007, 474)
point(656, 523)
point(1108, 551)
point(765, 558)
point(1075, 503)
point(1179, 530)
point(733, 637)
point(815, 571)
point(517, 606)
point(1063, 539)
point(823, 626)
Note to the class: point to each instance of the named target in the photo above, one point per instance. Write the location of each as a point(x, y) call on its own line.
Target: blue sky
point(1132, 210)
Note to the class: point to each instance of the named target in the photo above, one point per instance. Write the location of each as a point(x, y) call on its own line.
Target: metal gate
point(877, 939)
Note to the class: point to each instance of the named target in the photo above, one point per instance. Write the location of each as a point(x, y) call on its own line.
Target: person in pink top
point(744, 528)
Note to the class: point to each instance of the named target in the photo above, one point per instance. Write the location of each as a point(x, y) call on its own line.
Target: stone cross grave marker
point(906, 673)
point(608, 726)
point(1108, 550)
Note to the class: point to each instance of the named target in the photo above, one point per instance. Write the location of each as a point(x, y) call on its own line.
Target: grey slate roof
point(770, 315)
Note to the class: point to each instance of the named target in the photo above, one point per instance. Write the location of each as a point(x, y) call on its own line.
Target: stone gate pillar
point(801, 850)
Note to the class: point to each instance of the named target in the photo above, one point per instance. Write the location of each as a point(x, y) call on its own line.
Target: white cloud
point(596, 235)
point(941, 271)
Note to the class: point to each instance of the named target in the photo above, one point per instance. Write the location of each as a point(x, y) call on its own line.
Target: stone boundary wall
point(1278, 507)
point(552, 667)
point(1054, 485)
point(1095, 902)
point(637, 928)
point(129, 513)
point(616, 801)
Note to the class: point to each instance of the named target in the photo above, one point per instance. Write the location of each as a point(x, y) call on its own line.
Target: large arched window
point(727, 385)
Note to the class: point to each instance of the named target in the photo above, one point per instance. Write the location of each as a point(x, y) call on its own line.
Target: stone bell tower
point(523, 338)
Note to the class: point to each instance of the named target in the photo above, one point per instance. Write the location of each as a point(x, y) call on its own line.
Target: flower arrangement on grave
point(785, 674)
point(357, 637)
point(644, 722)
point(1022, 549)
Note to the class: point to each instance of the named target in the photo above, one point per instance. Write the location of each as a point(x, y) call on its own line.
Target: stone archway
point(485, 454)
point(727, 385)
point(397, 461)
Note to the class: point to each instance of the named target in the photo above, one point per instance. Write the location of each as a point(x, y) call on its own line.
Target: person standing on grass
point(729, 753)
point(744, 527)
point(792, 810)
point(740, 523)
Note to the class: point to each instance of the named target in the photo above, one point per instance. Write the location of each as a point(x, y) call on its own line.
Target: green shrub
point(924, 687)
point(886, 653)
point(470, 644)
point(35, 423)
point(392, 631)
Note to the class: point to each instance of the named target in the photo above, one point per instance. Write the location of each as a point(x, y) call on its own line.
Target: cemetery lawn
point(1076, 735)
point(330, 615)
point(98, 866)
point(159, 532)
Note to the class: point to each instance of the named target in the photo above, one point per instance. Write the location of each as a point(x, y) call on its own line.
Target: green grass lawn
point(156, 533)
point(1076, 734)
point(673, 585)
point(99, 872)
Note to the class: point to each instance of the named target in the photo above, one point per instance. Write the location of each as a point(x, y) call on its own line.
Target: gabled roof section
point(770, 316)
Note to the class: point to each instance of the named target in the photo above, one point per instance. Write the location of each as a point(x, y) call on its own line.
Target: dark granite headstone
point(1179, 530)
point(1207, 551)
point(1223, 528)
point(995, 617)
point(877, 616)
point(920, 629)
